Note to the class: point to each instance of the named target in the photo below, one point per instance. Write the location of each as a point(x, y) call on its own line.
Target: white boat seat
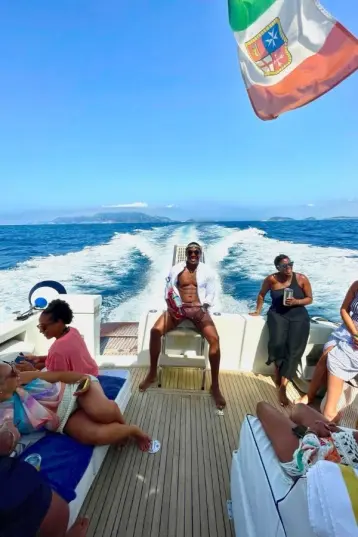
point(184, 327)
point(10, 350)
point(184, 347)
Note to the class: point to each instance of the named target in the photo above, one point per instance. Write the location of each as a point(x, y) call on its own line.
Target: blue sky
point(114, 102)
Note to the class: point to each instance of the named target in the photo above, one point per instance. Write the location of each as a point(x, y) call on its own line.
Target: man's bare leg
point(164, 324)
point(319, 379)
point(210, 333)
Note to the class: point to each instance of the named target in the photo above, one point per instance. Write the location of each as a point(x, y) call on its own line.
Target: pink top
point(70, 353)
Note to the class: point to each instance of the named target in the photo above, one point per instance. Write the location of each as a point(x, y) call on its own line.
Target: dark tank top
point(277, 300)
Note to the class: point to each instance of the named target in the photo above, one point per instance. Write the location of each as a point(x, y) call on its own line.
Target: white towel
point(332, 491)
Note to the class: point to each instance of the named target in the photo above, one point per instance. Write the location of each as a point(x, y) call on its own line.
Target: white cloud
point(310, 204)
point(169, 206)
point(134, 205)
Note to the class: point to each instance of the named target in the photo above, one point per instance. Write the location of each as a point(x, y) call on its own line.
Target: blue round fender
point(41, 302)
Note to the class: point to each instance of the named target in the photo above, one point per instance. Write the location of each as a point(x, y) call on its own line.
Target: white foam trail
point(331, 270)
point(92, 267)
point(215, 253)
point(251, 254)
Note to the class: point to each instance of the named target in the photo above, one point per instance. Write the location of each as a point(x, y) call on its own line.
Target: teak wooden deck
point(183, 489)
point(119, 338)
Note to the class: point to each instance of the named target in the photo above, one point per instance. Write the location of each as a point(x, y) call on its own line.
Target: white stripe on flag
point(306, 27)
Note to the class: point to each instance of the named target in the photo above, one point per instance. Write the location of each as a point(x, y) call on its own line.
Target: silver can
point(288, 293)
point(35, 460)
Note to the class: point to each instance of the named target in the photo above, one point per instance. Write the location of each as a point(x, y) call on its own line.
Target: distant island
point(112, 218)
point(279, 219)
point(343, 218)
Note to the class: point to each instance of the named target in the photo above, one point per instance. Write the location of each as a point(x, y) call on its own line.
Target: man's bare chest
point(187, 278)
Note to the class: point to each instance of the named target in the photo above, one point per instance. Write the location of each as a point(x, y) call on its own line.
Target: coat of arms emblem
point(269, 49)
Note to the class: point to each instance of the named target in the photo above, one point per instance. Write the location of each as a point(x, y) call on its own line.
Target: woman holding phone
point(69, 351)
point(287, 319)
point(63, 402)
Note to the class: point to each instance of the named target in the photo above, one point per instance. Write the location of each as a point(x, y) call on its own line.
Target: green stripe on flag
point(242, 13)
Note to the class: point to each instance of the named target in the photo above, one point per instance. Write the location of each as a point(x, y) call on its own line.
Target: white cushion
point(265, 500)
point(11, 349)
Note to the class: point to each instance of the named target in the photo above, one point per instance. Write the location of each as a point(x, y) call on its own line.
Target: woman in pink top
point(69, 352)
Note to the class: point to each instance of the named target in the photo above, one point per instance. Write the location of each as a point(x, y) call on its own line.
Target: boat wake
point(130, 269)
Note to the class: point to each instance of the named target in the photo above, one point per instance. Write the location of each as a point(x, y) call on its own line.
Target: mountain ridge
point(112, 218)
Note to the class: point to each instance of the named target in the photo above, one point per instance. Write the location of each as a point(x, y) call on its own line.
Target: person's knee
point(155, 333)
point(214, 341)
point(261, 409)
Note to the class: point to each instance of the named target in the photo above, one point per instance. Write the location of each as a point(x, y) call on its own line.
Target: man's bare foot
point(282, 396)
point(304, 400)
point(79, 528)
point(218, 397)
point(148, 381)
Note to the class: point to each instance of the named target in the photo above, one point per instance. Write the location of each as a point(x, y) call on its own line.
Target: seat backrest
point(187, 325)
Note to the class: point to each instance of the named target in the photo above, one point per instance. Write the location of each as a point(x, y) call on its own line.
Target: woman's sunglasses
point(193, 252)
point(286, 265)
point(43, 327)
point(13, 372)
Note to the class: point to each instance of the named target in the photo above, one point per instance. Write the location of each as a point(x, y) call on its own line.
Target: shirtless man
point(194, 283)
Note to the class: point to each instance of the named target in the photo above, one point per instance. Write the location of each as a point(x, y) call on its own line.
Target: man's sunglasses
point(193, 252)
point(285, 265)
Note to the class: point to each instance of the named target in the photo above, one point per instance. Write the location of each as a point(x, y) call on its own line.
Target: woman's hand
point(292, 302)
point(323, 429)
point(83, 386)
point(355, 340)
point(254, 313)
point(9, 437)
point(25, 366)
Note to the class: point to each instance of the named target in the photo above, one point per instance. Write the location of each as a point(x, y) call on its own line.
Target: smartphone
point(300, 431)
point(21, 358)
point(83, 385)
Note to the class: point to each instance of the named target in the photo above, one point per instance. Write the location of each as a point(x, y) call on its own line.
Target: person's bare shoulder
point(354, 286)
point(301, 277)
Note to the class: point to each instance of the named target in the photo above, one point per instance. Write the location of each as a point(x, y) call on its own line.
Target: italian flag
point(291, 52)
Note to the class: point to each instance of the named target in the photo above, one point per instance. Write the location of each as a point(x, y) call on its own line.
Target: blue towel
point(64, 460)
point(111, 385)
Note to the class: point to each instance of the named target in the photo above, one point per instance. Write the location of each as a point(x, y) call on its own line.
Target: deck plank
point(181, 491)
